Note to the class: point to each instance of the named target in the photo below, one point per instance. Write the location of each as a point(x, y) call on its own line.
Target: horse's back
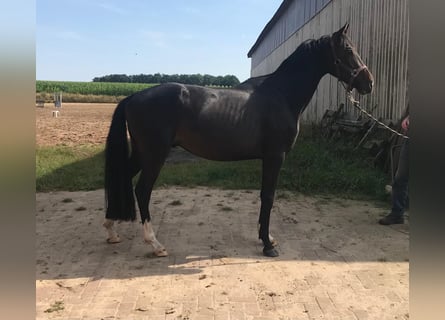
point(158, 101)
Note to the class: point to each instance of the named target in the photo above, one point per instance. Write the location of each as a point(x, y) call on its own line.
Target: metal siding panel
point(385, 60)
point(312, 9)
point(378, 51)
point(300, 14)
point(307, 10)
point(390, 60)
point(405, 39)
point(399, 58)
point(318, 5)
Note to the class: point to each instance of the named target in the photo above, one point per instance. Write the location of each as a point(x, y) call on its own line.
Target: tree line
point(197, 79)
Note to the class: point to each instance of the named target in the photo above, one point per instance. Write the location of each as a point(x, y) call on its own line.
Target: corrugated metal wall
point(379, 29)
point(296, 15)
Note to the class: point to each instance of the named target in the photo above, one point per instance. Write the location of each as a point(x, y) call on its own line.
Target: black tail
point(118, 185)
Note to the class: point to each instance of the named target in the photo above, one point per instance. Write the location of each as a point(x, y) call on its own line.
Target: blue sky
point(81, 39)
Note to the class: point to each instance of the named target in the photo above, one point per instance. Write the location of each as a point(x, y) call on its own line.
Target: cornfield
point(90, 88)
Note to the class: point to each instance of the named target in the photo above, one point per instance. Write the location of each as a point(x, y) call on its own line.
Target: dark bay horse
point(258, 119)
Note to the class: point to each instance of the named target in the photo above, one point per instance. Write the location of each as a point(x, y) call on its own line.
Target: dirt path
point(335, 261)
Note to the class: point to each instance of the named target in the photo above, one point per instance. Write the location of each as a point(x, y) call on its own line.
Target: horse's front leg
point(271, 169)
point(272, 239)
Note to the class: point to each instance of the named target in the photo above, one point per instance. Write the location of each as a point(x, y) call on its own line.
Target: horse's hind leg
point(113, 237)
point(135, 159)
point(152, 164)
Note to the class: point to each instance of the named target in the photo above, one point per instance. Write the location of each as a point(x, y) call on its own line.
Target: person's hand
point(405, 123)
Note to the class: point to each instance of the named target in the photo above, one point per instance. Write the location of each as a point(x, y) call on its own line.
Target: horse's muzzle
point(364, 81)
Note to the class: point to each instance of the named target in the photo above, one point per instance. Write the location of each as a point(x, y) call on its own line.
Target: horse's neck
point(297, 79)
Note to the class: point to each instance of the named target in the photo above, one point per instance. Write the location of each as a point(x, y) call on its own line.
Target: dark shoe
point(391, 219)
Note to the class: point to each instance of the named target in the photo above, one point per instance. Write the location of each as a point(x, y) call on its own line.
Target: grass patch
point(314, 166)
point(225, 175)
point(69, 168)
point(318, 166)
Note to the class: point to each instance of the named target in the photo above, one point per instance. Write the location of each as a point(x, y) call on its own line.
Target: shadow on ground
point(206, 227)
point(87, 174)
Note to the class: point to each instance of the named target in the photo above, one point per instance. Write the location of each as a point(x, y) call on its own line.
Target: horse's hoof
point(114, 240)
point(270, 252)
point(161, 253)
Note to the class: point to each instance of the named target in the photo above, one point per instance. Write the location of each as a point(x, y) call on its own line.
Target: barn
point(379, 29)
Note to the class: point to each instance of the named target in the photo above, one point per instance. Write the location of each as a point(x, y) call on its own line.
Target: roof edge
point(281, 9)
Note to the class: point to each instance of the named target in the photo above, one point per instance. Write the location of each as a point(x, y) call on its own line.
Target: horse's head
point(347, 65)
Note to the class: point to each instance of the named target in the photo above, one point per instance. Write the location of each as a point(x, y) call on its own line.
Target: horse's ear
point(344, 29)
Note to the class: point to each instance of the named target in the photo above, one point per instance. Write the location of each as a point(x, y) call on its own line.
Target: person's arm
point(404, 120)
point(405, 123)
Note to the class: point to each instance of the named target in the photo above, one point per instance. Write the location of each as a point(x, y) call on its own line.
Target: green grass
point(314, 166)
point(225, 175)
point(69, 168)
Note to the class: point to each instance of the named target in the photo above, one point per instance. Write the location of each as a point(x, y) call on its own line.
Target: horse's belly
point(220, 146)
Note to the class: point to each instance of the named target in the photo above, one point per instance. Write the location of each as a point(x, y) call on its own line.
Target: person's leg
point(399, 188)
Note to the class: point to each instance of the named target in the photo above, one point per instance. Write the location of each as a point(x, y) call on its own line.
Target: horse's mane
point(306, 48)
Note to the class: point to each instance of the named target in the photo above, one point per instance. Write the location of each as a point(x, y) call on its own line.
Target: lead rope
point(356, 104)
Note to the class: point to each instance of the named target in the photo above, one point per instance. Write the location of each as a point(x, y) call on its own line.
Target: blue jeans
point(400, 185)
